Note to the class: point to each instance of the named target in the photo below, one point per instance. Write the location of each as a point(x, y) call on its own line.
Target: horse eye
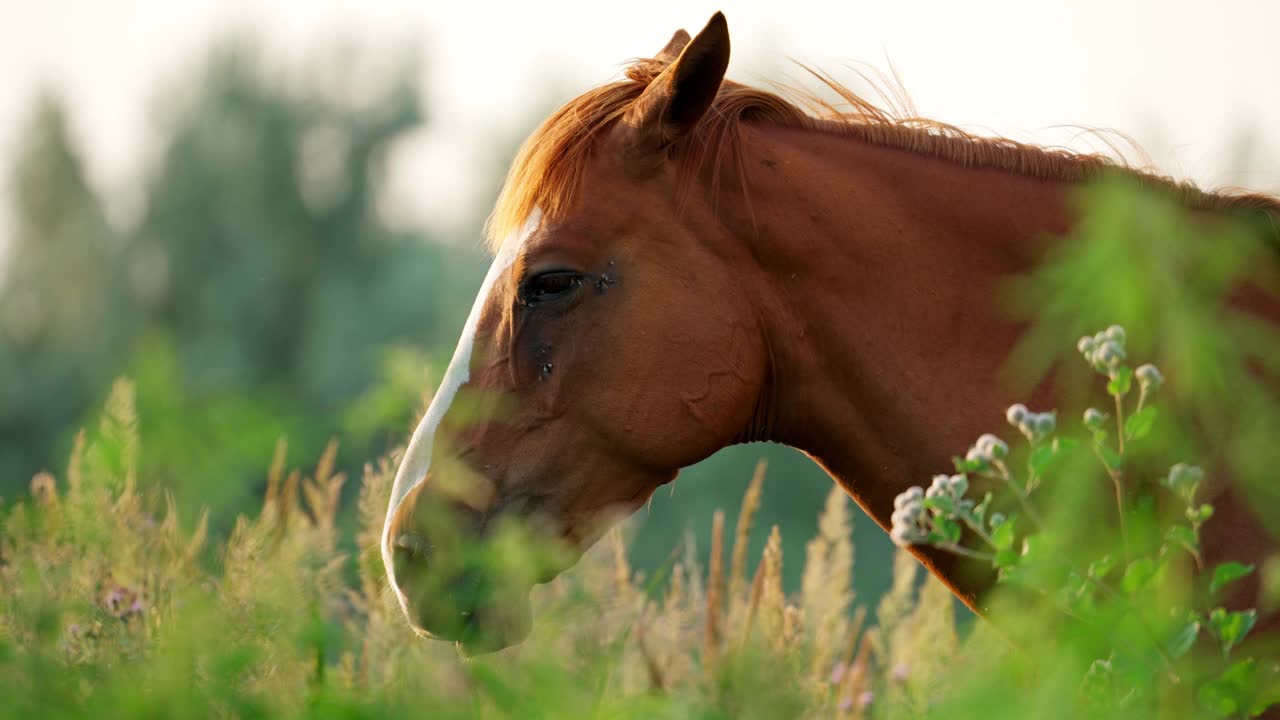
point(548, 286)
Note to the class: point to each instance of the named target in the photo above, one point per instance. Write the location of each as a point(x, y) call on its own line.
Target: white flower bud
point(908, 514)
point(993, 447)
point(1109, 355)
point(977, 455)
point(1115, 333)
point(1045, 423)
point(958, 485)
point(908, 496)
point(1149, 376)
point(1028, 427)
point(1184, 480)
point(1085, 345)
point(903, 536)
point(1016, 414)
point(1094, 418)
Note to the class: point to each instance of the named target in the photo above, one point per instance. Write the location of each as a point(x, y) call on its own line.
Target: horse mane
point(549, 166)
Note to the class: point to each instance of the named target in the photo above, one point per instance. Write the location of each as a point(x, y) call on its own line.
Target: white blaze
point(417, 457)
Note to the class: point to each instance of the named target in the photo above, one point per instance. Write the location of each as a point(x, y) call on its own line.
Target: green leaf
point(942, 503)
point(1098, 683)
point(1184, 637)
point(1076, 585)
point(1013, 574)
point(1235, 692)
point(1138, 574)
point(1185, 537)
point(1005, 559)
point(1113, 461)
point(1100, 567)
point(980, 512)
point(1200, 515)
point(1033, 550)
point(1040, 459)
point(1139, 424)
point(948, 528)
point(945, 531)
point(1002, 536)
point(1120, 384)
point(1227, 573)
point(1231, 627)
point(1043, 457)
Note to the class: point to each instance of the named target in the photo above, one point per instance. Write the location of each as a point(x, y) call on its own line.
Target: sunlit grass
point(108, 601)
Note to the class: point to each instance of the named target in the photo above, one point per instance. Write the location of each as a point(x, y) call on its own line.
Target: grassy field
point(113, 602)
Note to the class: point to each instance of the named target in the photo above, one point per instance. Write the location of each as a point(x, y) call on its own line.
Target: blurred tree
point(63, 313)
point(263, 257)
point(262, 250)
point(261, 294)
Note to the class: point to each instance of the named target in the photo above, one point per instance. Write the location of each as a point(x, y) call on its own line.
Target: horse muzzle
point(465, 574)
point(458, 600)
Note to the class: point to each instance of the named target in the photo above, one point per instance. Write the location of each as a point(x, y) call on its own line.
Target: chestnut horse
point(684, 263)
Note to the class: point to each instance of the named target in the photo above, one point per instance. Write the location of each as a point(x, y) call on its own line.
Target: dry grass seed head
point(742, 533)
point(715, 589)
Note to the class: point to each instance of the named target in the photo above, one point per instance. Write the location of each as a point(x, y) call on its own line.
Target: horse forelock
point(549, 167)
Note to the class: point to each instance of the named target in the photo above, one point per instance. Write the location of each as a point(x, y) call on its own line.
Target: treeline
point(259, 294)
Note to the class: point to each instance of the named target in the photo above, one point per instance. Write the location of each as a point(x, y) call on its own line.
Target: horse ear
point(679, 96)
point(673, 48)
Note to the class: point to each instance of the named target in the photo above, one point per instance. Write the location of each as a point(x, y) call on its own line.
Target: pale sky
point(1185, 79)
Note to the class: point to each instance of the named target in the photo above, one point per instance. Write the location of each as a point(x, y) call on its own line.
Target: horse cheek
point(720, 402)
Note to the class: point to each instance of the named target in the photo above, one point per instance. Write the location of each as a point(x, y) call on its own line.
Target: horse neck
point(880, 278)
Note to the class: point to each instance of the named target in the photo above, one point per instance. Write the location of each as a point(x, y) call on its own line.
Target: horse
point(682, 263)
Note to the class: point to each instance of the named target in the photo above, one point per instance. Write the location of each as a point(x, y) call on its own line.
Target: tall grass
point(112, 603)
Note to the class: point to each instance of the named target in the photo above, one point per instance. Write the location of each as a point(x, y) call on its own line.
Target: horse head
point(610, 345)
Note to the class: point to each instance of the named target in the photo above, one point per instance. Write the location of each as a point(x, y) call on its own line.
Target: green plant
point(1135, 587)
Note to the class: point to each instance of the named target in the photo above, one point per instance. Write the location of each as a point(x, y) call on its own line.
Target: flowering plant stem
point(1020, 494)
point(977, 529)
point(966, 552)
point(1098, 594)
point(1117, 481)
